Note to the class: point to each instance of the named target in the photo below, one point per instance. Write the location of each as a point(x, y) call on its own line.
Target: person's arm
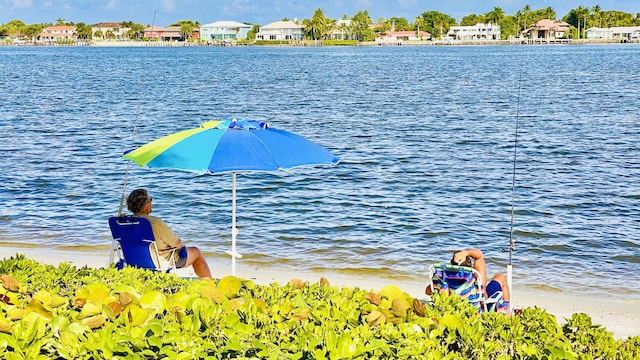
point(478, 262)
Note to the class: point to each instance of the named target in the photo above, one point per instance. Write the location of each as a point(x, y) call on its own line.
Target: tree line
point(361, 26)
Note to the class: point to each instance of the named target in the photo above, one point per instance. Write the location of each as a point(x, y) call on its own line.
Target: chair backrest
point(134, 236)
point(462, 280)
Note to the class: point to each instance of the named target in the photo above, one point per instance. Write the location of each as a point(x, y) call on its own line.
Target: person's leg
point(501, 279)
point(199, 263)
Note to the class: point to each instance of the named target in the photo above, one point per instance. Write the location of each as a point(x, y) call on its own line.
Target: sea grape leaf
point(296, 283)
point(373, 298)
point(375, 318)
point(94, 322)
point(400, 307)
point(236, 303)
point(125, 298)
point(90, 309)
point(451, 321)
point(346, 346)
point(153, 300)
point(301, 315)
point(392, 292)
point(178, 300)
point(249, 284)
point(136, 315)
point(230, 286)
point(154, 341)
point(418, 308)
point(15, 314)
point(9, 283)
point(5, 327)
point(99, 293)
point(56, 301)
point(12, 298)
point(115, 308)
point(36, 307)
point(212, 292)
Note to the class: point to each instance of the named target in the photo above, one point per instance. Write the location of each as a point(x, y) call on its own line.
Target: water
point(426, 136)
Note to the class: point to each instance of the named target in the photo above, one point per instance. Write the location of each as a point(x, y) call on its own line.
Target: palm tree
point(526, 10)
point(61, 22)
point(597, 11)
point(319, 26)
point(496, 15)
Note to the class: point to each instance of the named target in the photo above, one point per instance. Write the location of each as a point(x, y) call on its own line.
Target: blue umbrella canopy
point(231, 146)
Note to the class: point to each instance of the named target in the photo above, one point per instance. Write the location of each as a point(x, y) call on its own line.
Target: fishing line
point(135, 121)
point(512, 241)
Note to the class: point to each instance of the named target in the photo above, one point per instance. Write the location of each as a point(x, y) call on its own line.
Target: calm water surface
point(426, 135)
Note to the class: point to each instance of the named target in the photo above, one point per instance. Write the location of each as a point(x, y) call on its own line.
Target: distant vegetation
point(363, 27)
point(65, 312)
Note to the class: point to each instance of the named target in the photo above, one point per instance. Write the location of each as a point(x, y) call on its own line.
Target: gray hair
point(137, 199)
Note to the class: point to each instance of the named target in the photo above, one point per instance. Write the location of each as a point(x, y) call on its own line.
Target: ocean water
point(427, 141)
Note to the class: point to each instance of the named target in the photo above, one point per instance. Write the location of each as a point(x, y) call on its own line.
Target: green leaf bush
point(65, 312)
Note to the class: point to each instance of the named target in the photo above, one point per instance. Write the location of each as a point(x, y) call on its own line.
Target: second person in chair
point(140, 204)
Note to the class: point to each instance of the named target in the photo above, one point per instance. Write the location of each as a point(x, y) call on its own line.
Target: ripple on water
point(427, 155)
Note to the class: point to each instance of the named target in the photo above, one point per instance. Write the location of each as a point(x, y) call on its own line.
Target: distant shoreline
point(320, 43)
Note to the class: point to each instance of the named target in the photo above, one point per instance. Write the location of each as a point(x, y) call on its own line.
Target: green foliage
point(49, 312)
point(340, 42)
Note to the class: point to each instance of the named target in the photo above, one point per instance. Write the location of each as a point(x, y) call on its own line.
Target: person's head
point(468, 262)
point(137, 200)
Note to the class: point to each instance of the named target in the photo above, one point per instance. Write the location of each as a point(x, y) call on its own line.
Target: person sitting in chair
point(140, 204)
point(497, 283)
point(475, 259)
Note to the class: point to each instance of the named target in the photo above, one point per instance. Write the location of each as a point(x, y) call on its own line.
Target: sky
point(262, 12)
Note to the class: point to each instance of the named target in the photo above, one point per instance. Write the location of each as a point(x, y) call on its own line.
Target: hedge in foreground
point(65, 312)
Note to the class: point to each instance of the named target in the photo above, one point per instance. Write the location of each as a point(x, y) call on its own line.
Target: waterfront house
point(399, 36)
point(170, 33)
point(109, 31)
point(341, 30)
point(52, 34)
point(281, 31)
point(547, 29)
point(614, 33)
point(224, 31)
point(478, 31)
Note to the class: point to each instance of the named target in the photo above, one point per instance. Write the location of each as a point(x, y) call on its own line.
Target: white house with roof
point(547, 29)
point(224, 31)
point(478, 31)
point(55, 33)
point(614, 33)
point(109, 31)
point(282, 31)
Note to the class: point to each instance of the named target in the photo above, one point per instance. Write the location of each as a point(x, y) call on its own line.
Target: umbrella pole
point(234, 230)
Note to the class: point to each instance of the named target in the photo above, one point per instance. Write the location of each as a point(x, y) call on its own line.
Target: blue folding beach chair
point(135, 245)
point(466, 282)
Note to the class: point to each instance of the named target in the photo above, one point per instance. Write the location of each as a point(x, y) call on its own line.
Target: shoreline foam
point(617, 316)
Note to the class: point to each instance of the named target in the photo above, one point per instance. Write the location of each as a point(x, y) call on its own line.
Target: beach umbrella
point(231, 146)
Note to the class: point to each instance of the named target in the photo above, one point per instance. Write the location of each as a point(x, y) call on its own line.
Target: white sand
point(621, 318)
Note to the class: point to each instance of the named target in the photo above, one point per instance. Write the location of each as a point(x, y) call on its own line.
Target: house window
point(272, 37)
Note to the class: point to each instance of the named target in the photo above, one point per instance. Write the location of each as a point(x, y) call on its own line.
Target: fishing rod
point(512, 241)
point(135, 121)
point(133, 135)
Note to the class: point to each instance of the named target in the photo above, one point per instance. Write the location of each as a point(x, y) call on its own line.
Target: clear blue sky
point(265, 11)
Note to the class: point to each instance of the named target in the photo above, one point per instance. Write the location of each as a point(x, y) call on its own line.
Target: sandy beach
point(621, 318)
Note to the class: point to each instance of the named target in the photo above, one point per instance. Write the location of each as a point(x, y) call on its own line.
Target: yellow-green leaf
point(230, 286)
point(88, 310)
point(9, 283)
point(5, 327)
point(94, 322)
point(36, 306)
